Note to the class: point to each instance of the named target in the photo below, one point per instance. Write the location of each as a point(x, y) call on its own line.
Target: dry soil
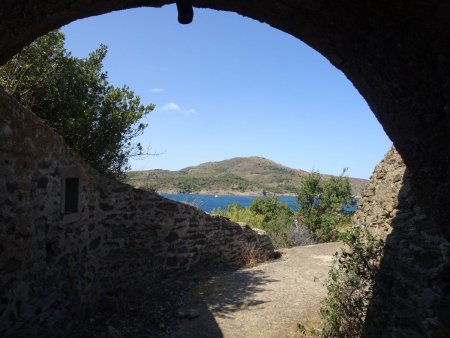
point(266, 301)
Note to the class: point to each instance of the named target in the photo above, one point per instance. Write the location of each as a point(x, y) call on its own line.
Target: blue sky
point(227, 86)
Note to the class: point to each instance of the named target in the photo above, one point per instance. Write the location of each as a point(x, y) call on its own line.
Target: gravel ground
point(266, 301)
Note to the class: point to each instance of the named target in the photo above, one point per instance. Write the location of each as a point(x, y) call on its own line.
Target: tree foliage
point(321, 204)
point(271, 209)
point(270, 215)
point(350, 284)
point(73, 96)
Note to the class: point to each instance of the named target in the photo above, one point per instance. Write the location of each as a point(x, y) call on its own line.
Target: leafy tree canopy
point(270, 208)
point(321, 205)
point(74, 97)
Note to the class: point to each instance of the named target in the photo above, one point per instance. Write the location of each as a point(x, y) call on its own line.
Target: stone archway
point(396, 54)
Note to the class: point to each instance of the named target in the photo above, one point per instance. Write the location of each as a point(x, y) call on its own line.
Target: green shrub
point(268, 214)
point(237, 213)
point(350, 284)
point(321, 205)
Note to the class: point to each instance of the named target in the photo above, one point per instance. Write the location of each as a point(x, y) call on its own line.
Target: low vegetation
point(323, 217)
point(272, 216)
point(350, 284)
point(252, 254)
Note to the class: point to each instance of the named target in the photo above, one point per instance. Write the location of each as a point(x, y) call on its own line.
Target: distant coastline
point(226, 193)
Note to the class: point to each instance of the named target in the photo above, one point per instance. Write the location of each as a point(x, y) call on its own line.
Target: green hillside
point(240, 175)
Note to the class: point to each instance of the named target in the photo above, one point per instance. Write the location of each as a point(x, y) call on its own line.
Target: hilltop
point(236, 176)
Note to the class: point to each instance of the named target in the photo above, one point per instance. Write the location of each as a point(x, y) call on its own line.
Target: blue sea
point(210, 202)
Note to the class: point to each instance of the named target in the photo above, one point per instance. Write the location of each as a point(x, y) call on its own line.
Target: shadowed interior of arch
point(382, 75)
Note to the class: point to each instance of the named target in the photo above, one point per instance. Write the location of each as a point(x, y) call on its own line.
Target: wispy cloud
point(156, 90)
point(191, 111)
point(175, 107)
point(171, 106)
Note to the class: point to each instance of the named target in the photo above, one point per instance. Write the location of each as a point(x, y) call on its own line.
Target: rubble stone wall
point(412, 294)
point(70, 238)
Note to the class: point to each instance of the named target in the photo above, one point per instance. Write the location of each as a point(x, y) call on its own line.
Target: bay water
point(210, 202)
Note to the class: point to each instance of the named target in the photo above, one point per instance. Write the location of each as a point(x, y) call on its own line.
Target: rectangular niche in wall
point(70, 195)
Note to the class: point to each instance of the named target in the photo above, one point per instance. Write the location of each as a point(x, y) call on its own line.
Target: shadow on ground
point(182, 306)
point(232, 292)
point(219, 296)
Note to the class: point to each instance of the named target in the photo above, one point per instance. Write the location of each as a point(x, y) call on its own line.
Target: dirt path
point(265, 301)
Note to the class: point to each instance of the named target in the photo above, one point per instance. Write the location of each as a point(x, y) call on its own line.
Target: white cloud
point(174, 107)
point(171, 106)
point(157, 90)
point(191, 111)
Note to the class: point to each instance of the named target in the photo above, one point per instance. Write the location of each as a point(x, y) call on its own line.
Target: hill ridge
point(235, 176)
point(237, 162)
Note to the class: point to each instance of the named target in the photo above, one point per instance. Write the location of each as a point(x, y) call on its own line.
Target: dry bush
point(299, 235)
point(252, 254)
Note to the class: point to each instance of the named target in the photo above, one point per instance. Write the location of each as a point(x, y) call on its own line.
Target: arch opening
point(381, 58)
point(395, 55)
point(234, 91)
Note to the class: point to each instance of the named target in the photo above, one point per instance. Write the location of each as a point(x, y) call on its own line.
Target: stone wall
point(412, 294)
point(380, 200)
point(396, 54)
point(70, 238)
